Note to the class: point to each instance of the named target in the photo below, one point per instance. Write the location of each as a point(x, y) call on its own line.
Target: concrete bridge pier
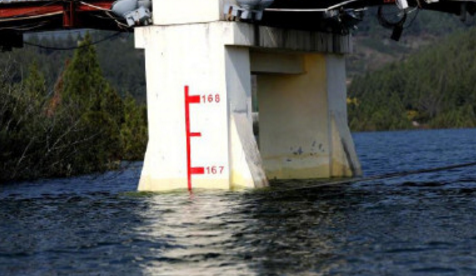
point(199, 104)
point(198, 69)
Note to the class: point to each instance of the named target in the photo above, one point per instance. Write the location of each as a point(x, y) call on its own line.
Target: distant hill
point(373, 47)
point(434, 87)
point(122, 64)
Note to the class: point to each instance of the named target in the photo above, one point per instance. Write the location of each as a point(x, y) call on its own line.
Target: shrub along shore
point(79, 126)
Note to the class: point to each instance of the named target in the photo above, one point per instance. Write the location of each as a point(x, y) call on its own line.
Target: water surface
point(97, 225)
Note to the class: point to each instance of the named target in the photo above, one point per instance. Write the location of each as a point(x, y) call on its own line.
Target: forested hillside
point(373, 47)
point(434, 88)
point(121, 64)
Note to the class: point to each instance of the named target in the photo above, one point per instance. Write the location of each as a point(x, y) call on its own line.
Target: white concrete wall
point(195, 56)
point(344, 161)
point(170, 12)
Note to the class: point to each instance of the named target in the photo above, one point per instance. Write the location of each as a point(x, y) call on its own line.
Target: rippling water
point(98, 225)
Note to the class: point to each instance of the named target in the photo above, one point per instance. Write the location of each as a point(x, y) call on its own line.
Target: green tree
point(95, 109)
point(83, 79)
point(134, 130)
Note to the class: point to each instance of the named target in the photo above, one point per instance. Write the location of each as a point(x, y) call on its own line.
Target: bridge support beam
point(303, 130)
point(199, 105)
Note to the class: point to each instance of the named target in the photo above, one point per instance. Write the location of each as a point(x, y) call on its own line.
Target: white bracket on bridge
point(402, 4)
point(234, 11)
point(139, 17)
point(135, 12)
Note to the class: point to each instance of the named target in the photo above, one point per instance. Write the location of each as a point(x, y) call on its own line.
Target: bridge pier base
point(199, 106)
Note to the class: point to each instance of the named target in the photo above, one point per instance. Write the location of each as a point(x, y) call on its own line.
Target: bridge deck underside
point(35, 15)
point(315, 20)
point(29, 15)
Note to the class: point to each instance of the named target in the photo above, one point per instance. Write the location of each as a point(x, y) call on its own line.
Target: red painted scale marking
point(198, 170)
point(193, 99)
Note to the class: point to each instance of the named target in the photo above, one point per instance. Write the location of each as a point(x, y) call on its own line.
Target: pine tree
point(83, 79)
point(95, 109)
point(35, 87)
